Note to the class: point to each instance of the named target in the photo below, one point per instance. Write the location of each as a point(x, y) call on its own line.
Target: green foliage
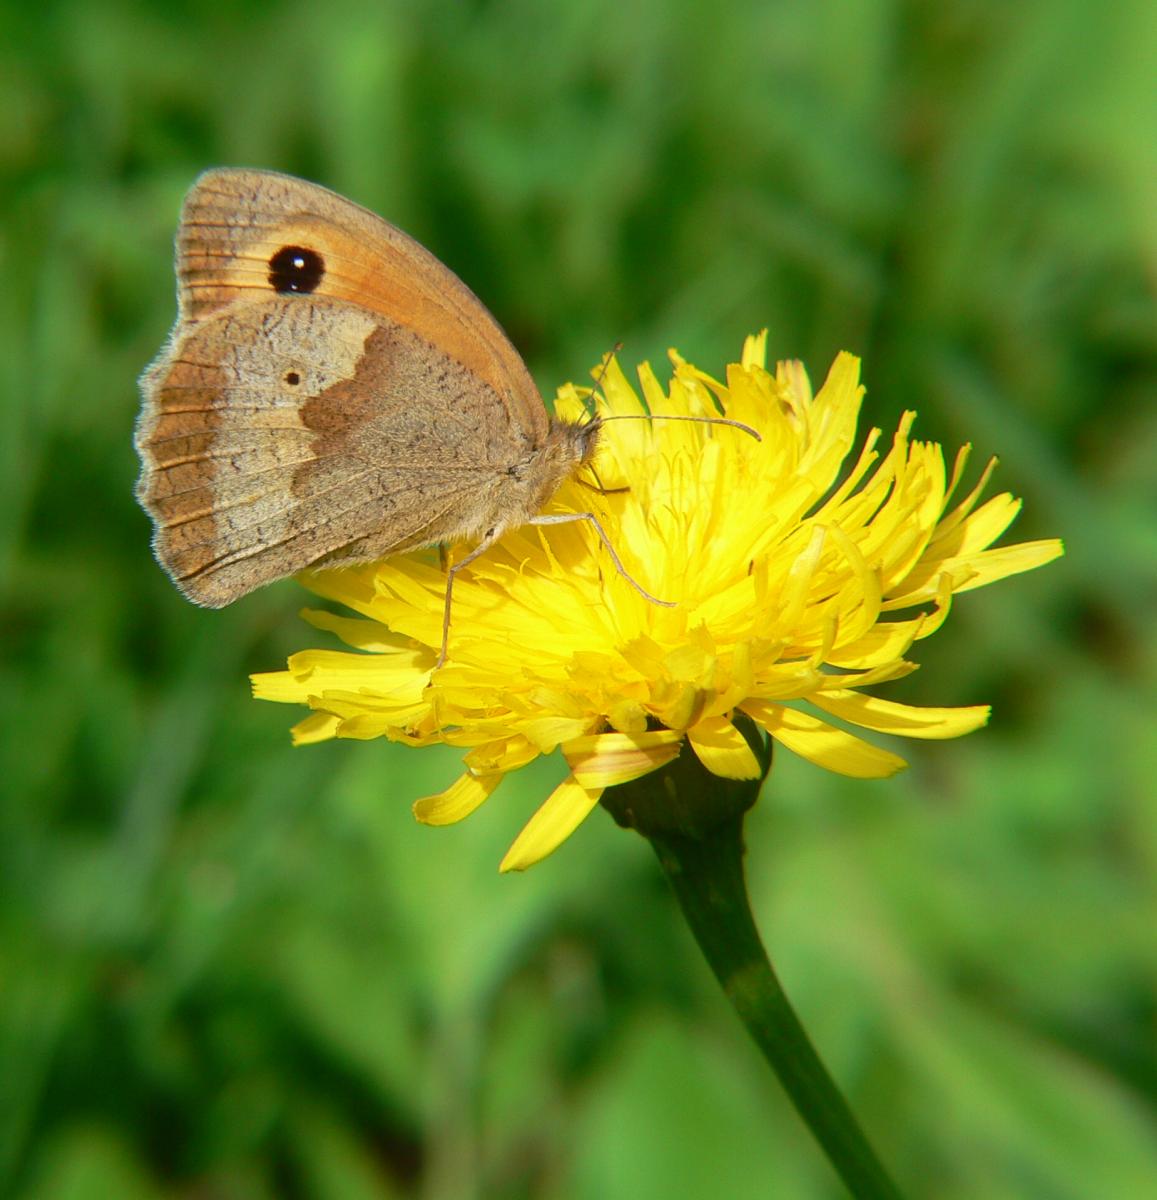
point(230, 968)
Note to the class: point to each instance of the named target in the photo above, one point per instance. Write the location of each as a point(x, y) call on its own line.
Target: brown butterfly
point(331, 394)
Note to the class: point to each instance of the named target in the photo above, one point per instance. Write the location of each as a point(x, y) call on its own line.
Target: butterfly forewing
point(330, 392)
point(235, 223)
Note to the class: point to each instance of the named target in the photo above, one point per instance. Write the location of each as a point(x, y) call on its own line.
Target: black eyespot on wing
point(292, 378)
point(296, 269)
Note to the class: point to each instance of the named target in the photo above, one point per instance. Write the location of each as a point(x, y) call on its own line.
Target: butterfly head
point(568, 446)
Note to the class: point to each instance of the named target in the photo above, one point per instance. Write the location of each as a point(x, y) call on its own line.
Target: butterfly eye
point(296, 269)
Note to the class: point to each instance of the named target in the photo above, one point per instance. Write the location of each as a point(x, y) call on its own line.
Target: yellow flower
point(795, 589)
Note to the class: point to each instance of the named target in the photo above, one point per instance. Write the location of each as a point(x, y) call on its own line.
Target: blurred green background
point(231, 969)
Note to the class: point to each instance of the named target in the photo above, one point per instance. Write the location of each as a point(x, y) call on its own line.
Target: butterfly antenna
point(683, 417)
point(608, 359)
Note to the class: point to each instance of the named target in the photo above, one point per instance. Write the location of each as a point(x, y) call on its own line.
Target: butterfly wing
point(330, 391)
point(235, 223)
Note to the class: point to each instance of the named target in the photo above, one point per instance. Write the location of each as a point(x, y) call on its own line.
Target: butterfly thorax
point(528, 484)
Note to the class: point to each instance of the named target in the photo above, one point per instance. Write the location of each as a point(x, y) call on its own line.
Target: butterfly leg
point(599, 487)
point(491, 537)
point(554, 519)
point(565, 518)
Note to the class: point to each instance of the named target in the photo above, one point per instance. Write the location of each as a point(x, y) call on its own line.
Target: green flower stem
point(694, 820)
point(707, 875)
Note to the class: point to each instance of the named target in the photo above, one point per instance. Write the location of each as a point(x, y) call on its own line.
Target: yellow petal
point(281, 686)
point(367, 635)
point(317, 671)
point(722, 749)
point(366, 725)
point(627, 716)
point(459, 800)
point(979, 570)
point(906, 720)
point(563, 812)
point(864, 618)
point(603, 760)
point(794, 597)
point(984, 526)
point(968, 503)
point(832, 682)
point(506, 755)
point(883, 643)
point(823, 744)
point(755, 349)
point(1011, 560)
point(840, 393)
point(317, 727)
point(548, 732)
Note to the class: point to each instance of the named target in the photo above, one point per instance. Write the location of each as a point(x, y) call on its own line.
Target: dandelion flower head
point(798, 583)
